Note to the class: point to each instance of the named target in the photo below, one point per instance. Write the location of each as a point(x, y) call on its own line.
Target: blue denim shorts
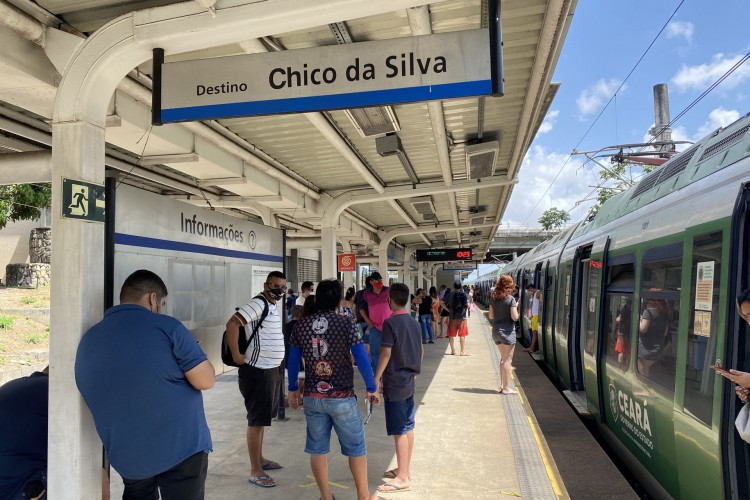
point(399, 416)
point(363, 332)
point(341, 414)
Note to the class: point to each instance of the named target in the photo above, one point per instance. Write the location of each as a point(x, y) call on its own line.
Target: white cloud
point(549, 122)
point(537, 171)
point(680, 29)
point(592, 98)
point(701, 76)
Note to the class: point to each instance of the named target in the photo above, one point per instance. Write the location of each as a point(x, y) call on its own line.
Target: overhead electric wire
point(605, 107)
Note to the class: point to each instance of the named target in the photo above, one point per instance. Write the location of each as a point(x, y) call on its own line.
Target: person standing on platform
point(307, 289)
point(425, 318)
point(458, 304)
point(742, 379)
point(377, 312)
point(434, 310)
point(291, 300)
point(259, 374)
point(400, 363)
point(445, 312)
point(141, 374)
point(325, 341)
point(503, 313)
point(24, 407)
point(359, 306)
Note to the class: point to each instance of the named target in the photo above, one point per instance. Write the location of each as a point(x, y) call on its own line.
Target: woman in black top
point(503, 314)
point(425, 318)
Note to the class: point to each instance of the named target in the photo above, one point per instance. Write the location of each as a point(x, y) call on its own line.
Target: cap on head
point(376, 276)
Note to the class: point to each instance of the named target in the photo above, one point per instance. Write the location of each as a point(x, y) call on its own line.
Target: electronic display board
point(444, 254)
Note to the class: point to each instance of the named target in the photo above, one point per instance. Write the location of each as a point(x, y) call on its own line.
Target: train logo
point(252, 239)
point(613, 403)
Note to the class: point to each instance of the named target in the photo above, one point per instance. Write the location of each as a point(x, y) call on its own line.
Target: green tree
point(619, 177)
point(23, 202)
point(554, 218)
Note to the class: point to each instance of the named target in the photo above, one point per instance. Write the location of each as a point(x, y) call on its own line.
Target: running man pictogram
point(79, 199)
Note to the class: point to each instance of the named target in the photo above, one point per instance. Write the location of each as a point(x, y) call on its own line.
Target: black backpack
point(459, 302)
point(243, 340)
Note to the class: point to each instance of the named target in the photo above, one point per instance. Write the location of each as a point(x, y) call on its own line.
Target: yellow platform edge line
point(558, 487)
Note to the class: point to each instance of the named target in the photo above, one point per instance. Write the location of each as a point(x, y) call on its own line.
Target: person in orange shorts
point(458, 304)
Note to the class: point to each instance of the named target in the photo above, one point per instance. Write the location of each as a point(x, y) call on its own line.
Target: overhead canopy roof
point(291, 167)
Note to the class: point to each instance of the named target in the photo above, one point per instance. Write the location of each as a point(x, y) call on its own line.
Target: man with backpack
point(458, 303)
point(259, 374)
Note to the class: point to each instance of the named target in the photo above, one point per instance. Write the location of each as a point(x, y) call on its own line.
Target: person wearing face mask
point(375, 314)
point(259, 374)
point(141, 374)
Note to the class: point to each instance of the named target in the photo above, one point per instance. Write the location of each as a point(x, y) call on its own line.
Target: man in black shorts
point(259, 373)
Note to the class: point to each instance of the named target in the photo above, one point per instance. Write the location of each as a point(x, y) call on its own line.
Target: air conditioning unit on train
point(481, 159)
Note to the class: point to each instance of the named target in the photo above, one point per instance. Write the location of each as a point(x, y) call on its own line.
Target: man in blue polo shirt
point(141, 374)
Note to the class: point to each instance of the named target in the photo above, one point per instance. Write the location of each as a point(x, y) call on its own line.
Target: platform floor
point(470, 441)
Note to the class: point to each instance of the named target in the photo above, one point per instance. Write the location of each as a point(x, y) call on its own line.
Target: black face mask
point(276, 293)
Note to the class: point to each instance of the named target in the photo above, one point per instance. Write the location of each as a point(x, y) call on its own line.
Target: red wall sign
point(347, 262)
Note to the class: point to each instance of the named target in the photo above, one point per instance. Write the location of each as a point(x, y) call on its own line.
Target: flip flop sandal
point(263, 477)
point(392, 488)
point(271, 465)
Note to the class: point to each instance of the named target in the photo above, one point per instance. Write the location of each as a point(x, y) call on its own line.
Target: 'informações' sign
point(428, 67)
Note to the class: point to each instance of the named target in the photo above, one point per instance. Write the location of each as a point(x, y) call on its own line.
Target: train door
point(583, 310)
point(737, 352)
point(562, 322)
point(549, 315)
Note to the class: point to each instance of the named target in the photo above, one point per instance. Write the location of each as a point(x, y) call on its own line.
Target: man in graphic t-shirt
point(327, 341)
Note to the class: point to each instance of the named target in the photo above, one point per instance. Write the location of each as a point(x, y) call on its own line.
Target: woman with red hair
point(503, 314)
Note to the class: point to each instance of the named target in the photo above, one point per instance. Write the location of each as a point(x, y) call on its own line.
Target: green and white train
point(678, 243)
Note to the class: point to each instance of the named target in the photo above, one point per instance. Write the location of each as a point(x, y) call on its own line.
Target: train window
point(618, 313)
point(619, 320)
point(658, 321)
point(703, 327)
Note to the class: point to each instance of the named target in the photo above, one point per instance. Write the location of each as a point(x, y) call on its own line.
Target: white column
point(75, 451)
point(328, 253)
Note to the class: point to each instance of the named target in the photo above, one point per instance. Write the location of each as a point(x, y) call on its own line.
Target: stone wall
point(40, 245)
point(27, 275)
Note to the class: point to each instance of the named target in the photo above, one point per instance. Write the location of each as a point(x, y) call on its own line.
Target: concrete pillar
point(292, 271)
point(77, 302)
point(328, 253)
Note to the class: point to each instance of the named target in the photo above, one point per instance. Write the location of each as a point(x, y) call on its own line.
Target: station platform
point(470, 441)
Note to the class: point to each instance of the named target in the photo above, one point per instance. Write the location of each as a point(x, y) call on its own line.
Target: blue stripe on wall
point(336, 101)
point(177, 246)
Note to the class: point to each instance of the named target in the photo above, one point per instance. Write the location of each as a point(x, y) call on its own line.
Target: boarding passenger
point(377, 312)
point(400, 362)
point(534, 310)
point(459, 303)
point(259, 374)
point(471, 300)
point(503, 313)
point(325, 341)
point(307, 289)
point(141, 374)
point(742, 379)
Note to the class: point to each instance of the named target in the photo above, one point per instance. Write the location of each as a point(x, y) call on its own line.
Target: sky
point(605, 41)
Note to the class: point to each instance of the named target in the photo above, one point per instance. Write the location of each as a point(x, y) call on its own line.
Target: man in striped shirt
point(259, 373)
